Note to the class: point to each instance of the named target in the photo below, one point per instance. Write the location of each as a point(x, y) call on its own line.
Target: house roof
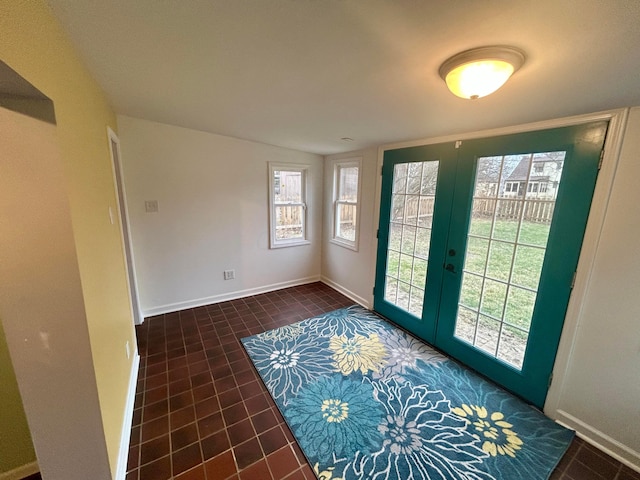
point(305, 73)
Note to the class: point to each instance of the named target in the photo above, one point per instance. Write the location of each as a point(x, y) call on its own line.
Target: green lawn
point(499, 258)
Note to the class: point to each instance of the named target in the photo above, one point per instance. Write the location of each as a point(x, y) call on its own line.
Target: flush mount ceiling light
point(480, 71)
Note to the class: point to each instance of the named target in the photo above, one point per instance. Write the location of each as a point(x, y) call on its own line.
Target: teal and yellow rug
point(365, 400)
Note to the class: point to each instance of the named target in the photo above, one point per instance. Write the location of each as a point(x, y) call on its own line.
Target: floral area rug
point(365, 400)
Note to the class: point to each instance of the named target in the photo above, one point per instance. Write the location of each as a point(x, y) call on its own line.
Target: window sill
point(295, 243)
point(345, 244)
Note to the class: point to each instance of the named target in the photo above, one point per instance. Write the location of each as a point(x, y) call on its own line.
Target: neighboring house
point(538, 177)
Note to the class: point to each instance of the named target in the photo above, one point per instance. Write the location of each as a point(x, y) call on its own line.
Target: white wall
point(42, 307)
point(212, 193)
point(349, 271)
point(599, 392)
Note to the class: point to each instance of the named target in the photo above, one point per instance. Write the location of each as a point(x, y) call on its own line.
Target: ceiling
point(305, 73)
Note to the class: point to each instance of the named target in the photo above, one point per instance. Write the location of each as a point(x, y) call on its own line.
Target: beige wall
point(213, 215)
point(16, 449)
point(34, 45)
point(347, 270)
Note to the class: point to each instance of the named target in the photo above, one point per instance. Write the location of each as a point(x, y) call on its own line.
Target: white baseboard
point(123, 454)
point(21, 472)
point(199, 302)
point(346, 292)
point(601, 441)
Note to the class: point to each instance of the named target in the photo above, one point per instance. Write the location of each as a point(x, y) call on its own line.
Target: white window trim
point(273, 242)
point(345, 163)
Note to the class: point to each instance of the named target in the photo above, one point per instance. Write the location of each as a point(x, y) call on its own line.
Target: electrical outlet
point(229, 274)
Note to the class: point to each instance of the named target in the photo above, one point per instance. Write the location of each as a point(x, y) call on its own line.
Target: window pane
point(513, 203)
point(346, 222)
point(289, 222)
point(412, 207)
point(287, 186)
point(348, 184)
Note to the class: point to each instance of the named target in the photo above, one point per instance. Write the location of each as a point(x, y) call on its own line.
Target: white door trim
point(123, 215)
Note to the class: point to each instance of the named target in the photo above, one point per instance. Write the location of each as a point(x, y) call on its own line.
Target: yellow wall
point(33, 44)
point(16, 448)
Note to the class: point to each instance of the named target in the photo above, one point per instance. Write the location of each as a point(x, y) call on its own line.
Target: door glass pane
point(413, 198)
point(513, 203)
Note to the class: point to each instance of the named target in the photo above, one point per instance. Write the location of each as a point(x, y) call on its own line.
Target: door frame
point(125, 232)
point(617, 122)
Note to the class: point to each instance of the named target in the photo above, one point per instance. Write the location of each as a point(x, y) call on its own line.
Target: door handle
point(449, 267)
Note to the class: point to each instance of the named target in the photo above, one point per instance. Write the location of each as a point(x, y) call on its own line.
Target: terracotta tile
point(156, 410)
point(259, 470)
point(201, 378)
point(264, 421)
point(132, 475)
point(203, 392)
point(251, 389)
point(282, 462)
point(178, 374)
point(302, 460)
point(155, 395)
point(247, 453)
point(230, 397)
point(579, 470)
point(194, 367)
point(215, 444)
point(598, 461)
point(256, 404)
point(155, 428)
point(186, 458)
point(184, 436)
point(272, 440)
point(207, 407)
point(158, 470)
point(224, 384)
point(240, 432)
point(135, 436)
point(181, 400)
point(234, 413)
point(182, 417)
point(210, 424)
point(133, 458)
point(221, 466)
point(179, 386)
point(297, 475)
point(154, 449)
point(196, 473)
point(627, 474)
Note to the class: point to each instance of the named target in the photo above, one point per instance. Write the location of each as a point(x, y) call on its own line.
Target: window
point(511, 187)
point(346, 180)
point(287, 202)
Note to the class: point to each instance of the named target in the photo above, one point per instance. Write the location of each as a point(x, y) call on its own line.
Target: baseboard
point(225, 297)
point(346, 292)
point(123, 454)
point(21, 472)
point(601, 441)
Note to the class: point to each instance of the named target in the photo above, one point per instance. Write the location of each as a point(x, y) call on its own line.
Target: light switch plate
point(151, 206)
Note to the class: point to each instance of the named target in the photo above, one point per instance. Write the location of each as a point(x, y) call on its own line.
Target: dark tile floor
point(202, 413)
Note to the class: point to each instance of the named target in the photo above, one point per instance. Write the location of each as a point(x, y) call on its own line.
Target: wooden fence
point(414, 212)
point(538, 211)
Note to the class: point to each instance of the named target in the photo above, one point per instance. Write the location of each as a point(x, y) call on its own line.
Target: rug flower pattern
point(367, 401)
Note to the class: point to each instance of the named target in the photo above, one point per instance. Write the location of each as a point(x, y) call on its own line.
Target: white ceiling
point(304, 73)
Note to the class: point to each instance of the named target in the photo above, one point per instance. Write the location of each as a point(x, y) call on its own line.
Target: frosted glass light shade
point(479, 72)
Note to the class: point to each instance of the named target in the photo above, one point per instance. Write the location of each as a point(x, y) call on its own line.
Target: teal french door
point(479, 242)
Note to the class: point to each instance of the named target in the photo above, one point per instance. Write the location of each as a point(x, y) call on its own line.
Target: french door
point(478, 246)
